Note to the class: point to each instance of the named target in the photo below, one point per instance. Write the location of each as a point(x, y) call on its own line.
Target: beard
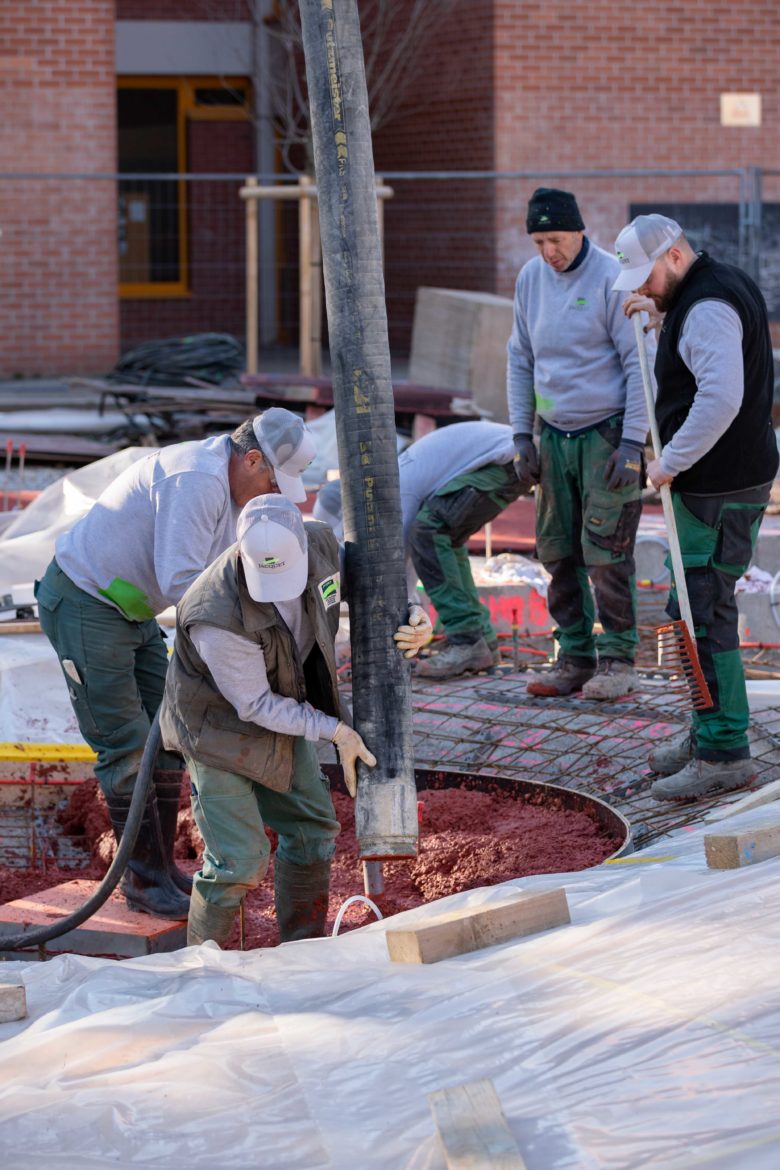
point(663, 300)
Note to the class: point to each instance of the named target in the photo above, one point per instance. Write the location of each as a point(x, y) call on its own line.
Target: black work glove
point(624, 466)
point(526, 461)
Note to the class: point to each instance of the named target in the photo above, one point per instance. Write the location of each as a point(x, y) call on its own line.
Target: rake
point(676, 640)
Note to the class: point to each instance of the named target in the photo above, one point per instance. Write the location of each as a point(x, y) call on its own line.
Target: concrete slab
point(114, 930)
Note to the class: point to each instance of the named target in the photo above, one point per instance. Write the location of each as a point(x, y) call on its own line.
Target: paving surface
point(489, 725)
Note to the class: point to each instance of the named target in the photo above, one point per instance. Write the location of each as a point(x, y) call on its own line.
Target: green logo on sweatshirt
point(580, 303)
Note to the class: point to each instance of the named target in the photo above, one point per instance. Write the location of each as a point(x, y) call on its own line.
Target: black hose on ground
point(143, 782)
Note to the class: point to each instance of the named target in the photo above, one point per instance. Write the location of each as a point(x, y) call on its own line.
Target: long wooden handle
point(666, 494)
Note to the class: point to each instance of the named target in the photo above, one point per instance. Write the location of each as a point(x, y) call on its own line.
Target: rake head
point(679, 652)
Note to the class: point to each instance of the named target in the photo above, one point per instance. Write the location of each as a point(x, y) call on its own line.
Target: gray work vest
point(196, 720)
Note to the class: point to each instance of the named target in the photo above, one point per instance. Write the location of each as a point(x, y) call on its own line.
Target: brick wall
point(440, 233)
point(57, 91)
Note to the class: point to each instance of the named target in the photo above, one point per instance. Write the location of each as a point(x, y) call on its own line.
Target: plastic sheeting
point(644, 1035)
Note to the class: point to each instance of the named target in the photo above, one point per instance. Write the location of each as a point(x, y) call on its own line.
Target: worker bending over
point(453, 481)
point(251, 690)
point(144, 541)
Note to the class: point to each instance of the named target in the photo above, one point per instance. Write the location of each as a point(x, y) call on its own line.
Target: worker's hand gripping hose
point(44, 934)
point(351, 748)
point(415, 634)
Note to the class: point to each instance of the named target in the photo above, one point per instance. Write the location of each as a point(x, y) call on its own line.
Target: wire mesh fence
point(167, 252)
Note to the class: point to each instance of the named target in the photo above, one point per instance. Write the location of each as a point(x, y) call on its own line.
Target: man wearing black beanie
point(573, 363)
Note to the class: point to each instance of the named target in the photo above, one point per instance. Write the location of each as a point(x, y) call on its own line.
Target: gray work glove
point(526, 461)
point(351, 748)
point(415, 634)
point(624, 466)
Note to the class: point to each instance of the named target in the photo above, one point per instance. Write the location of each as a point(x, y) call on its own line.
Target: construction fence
point(96, 264)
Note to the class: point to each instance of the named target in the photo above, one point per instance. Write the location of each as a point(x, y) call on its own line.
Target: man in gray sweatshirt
point(573, 361)
point(142, 544)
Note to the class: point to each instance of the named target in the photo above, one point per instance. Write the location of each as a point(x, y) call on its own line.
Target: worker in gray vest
point(144, 541)
point(251, 690)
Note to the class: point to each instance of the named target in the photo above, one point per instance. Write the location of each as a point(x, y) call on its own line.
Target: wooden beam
point(472, 1128)
point(745, 847)
point(13, 999)
point(463, 931)
point(764, 795)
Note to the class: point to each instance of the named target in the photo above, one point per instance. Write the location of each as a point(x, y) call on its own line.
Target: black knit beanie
point(550, 210)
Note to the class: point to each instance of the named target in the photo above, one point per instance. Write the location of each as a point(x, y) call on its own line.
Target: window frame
point(187, 109)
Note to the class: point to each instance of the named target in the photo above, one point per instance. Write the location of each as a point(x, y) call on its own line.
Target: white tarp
point(644, 1035)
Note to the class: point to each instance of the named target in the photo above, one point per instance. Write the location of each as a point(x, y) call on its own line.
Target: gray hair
point(244, 439)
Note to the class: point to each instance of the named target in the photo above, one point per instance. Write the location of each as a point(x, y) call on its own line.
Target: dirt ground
point(467, 839)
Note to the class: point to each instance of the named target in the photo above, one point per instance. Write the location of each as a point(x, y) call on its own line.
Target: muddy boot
point(147, 884)
point(167, 785)
point(704, 778)
point(613, 678)
point(206, 922)
point(567, 676)
point(672, 757)
point(457, 658)
point(301, 897)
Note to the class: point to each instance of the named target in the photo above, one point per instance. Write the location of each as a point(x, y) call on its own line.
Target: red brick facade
point(57, 89)
point(508, 85)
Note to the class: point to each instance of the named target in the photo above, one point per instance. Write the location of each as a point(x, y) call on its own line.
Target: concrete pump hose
point(143, 782)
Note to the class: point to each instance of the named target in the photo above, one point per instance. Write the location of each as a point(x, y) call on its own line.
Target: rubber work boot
point(146, 884)
point(206, 922)
point(567, 676)
point(672, 757)
point(613, 679)
point(167, 785)
point(704, 778)
point(456, 658)
point(301, 898)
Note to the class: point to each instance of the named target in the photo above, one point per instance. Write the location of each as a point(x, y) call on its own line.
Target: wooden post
point(252, 306)
point(472, 1128)
point(305, 278)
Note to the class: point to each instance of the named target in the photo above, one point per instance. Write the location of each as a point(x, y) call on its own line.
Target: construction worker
point(453, 481)
point(143, 542)
point(251, 689)
point(715, 375)
point(572, 360)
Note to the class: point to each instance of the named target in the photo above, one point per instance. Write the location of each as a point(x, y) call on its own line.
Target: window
point(152, 116)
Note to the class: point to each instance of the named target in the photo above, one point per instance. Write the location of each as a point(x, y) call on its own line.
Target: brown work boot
point(704, 778)
point(613, 679)
point(567, 676)
point(456, 658)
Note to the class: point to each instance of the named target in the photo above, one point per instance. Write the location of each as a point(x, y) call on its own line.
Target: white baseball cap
point(273, 547)
point(288, 446)
point(640, 244)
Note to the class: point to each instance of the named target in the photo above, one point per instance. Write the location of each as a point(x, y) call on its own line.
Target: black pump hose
point(143, 782)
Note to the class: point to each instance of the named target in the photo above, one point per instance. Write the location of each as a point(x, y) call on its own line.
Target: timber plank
point(13, 999)
point(463, 931)
point(745, 847)
point(472, 1128)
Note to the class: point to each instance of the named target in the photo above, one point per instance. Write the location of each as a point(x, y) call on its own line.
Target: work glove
point(624, 466)
point(351, 748)
point(415, 634)
point(526, 461)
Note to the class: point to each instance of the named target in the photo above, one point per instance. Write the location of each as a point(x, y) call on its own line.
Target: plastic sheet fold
point(644, 1035)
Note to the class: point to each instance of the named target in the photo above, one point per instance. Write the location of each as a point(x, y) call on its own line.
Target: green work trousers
point(438, 539)
point(585, 533)
point(114, 669)
point(717, 537)
point(232, 811)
